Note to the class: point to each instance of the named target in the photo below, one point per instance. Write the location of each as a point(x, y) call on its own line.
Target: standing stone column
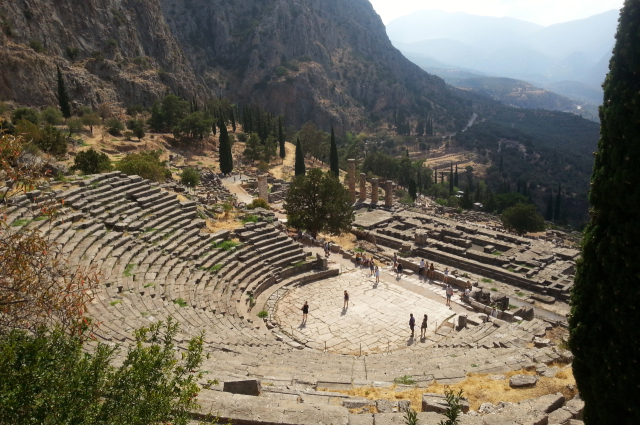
point(363, 186)
point(374, 191)
point(352, 178)
point(263, 188)
point(388, 194)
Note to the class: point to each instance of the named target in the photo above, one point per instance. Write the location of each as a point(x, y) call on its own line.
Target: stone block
point(522, 381)
point(560, 416)
point(386, 406)
point(248, 387)
point(438, 403)
point(357, 403)
point(429, 418)
point(541, 342)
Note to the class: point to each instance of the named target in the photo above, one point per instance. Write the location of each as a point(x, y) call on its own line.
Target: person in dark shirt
point(305, 312)
point(346, 300)
point(412, 323)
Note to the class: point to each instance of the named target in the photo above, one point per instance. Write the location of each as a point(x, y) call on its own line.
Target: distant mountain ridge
point(571, 52)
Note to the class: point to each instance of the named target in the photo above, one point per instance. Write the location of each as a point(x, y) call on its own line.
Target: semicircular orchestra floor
point(376, 320)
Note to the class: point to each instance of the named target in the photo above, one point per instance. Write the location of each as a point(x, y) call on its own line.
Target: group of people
point(423, 327)
point(364, 261)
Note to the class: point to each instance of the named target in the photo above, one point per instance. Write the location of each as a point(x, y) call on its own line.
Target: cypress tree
point(233, 121)
point(455, 178)
point(226, 158)
point(413, 190)
point(435, 175)
point(558, 201)
point(604, 323)
point(281, 139)
point(451, 180)
point(63, 96)
point(300, 169)
point(549, 215)
point(420, 183)
point(333, 158)
point(501, 166)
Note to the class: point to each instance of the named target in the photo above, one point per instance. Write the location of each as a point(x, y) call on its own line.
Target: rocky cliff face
point(328, 61)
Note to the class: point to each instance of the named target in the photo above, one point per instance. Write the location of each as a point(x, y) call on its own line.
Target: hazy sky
point(543, 12)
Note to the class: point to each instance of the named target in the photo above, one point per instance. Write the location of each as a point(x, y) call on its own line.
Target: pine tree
point(558, 202)
point(604, 323)
point(300, 168)
point(63, 96)
point(226, 158)
point(333, 158)
point(281, 139)
point(549, 215)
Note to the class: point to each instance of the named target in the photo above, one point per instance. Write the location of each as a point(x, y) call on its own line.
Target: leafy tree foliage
point(258, 203)
point(63, 96)
point(51, 141)
point(413, 190)
point(137, 127)
point(253, 147)
point(604, 323)
point(51, 115)
point(190, 177)
point(318, 202)
point(69, 385)
point(114, 126)
point(196, 125)
point(300, 167)
point(522, 218)
point(91, 162)
point(74, 125)
point(37, 287)
point(167, 114)
point(27, 114)
point(226, 157)
point(146, 165)
point(91, 119)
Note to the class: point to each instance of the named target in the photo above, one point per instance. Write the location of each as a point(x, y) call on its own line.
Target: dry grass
point(478, 388)
point(228, 223)
point(345, 240)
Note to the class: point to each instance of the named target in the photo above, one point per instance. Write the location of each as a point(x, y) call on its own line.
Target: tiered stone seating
point(156, 261)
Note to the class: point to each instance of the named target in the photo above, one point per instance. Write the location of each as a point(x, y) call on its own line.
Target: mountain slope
point(329, 61)
point(577, 51)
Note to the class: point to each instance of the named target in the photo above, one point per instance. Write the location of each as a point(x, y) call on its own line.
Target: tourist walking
point(446, 275)
point(346, 300)
point(449, 292)
point(421, 270)
point(371, 267)
point(423, 327)
point(305, 311)
point(399, 270)
point(377, 273)
point(432, 271)
point(412, 323)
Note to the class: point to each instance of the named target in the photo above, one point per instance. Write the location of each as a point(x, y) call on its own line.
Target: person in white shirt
point(421, 268)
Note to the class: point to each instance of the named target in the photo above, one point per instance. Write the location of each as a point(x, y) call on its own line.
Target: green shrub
point(146, 165)
point(190, 177)
point(27, 114)
point(114, 126)
point(51, 116)
point(263, 314)
point(142, 62)
point(281, 71)
point(91, 162)
point(72, 52)
point(486, 280)
point(226, 245)
point(180, 302)
point(51, 141)
point(258, 203)
point(37, 46)
point(74, 125)
point(405, 380)
point(250, 218)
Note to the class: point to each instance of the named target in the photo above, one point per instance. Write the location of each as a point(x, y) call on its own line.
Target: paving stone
point(520, 381)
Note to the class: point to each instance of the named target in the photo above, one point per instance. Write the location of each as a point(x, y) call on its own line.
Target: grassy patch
point(358, 249)
point(21, 222)
point(116, 302)
point(149, 285)
point(215, 268)
point(226, 245)
point(145, 313)
point(250, 219)
point(512, 307)
point(510, 269)
point(520, 294)
point(497, 253)
point(40, 218)
point(486, 280)
point(128, 270)
point(404, 380)
point(494, 289)
point(299, 264)
point(150, 229)
point(474, 365)
point(180, 302)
